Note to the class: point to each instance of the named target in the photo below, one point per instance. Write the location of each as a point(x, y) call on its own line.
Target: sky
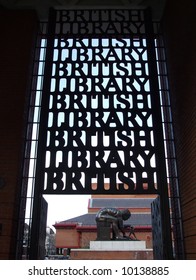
point(64, 207)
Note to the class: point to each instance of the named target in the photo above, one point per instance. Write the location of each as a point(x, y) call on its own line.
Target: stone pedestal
point(113, 250)
point(118, 245)
point(87, 254)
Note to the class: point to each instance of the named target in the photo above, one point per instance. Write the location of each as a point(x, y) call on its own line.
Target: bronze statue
point(115, 217)
point(132, 235)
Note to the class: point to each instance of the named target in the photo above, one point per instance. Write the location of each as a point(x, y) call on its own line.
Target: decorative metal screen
point(100, 118)
point(157, 234)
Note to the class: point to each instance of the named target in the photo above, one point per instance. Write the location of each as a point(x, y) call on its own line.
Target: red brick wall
point(179, 30)
point(86, 237)
point(17, 34)
point(111, 255)
point(68, 238)
point(72, 238)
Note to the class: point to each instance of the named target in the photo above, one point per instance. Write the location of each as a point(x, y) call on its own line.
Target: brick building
point(79, 231)
point(19, 25)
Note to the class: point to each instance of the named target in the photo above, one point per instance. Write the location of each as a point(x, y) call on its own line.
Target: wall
point(86, 238)
point(68, 238)
point(179, 31)
point(77, 254)
point(73, 238)
point(17, 35)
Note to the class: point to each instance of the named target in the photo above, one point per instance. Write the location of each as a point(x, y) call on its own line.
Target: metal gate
point(100, 113)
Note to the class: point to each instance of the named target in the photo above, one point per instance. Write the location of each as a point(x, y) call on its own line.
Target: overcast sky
point(63, 207)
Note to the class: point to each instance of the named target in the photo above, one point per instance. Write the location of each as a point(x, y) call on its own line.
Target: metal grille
point(158, 247)
point(31, 144)
point(169, 143)
point(105, 115)
point(100, 120)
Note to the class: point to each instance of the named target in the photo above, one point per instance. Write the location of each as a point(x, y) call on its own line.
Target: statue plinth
point(117, 245)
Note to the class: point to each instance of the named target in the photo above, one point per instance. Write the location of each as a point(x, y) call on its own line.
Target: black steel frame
point(159, 139)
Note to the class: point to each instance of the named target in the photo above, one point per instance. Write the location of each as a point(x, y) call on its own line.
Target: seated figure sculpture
point(115, 217)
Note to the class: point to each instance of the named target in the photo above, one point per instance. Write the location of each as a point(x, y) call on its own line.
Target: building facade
point(79, 231)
